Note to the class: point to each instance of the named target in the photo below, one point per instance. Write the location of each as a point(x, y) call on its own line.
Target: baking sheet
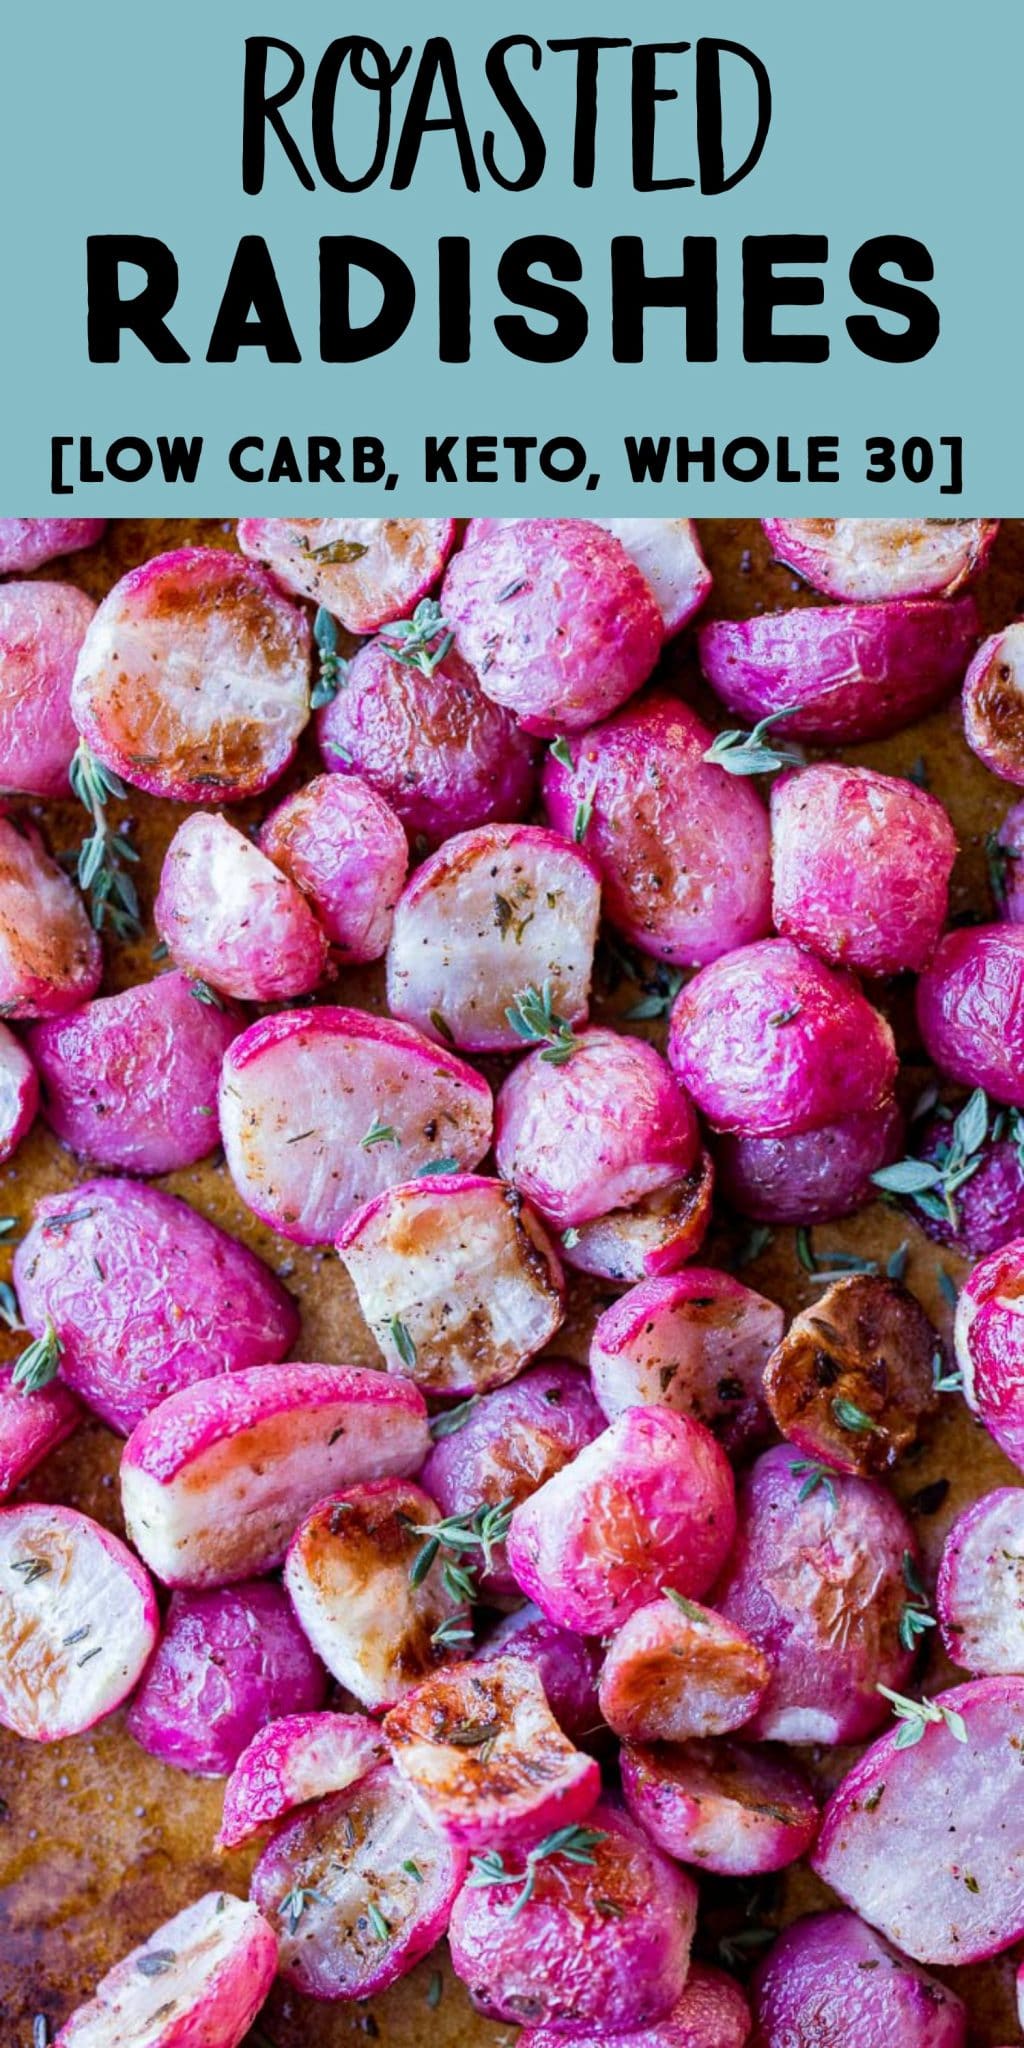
point(98, 1842)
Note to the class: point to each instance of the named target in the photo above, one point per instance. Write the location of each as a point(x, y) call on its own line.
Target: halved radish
point(486, 1758)
point(366, 571)
point(657, 1235)
point(291, 1761)
point(359, 1887)
point(567, 1665)
point(78, 1620)
point(322, 1109)
point(697, 1342)
point(215, 1481)
point(31, 1426)
point(28, 543)
point(198, 1982)
point(980, 1589)
point(457, 1279)
point(667, 553)
point(869, 559)
point(830, 1980)
point(736, 1810)
point(372, 1593)
point(344, 847)
point(989, 1339)
point(193, 678)
point(492, 913)
point(854, 1374)
point(19, 1093)
point(711, 2013)
point(229, 916)
point(939, 1794)
point(42, 626)
point(50, 957)
point(994, 702)
point(676, 1671)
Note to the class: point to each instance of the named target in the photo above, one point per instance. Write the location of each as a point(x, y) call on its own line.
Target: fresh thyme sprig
point(422, 641)
point(533, 1017)
point(470, 1541)
point(915, 1716)
point(915, 1619)
point(575, 1844)
point(750, 753)
point(38, 1363)
point(332, 669)
point(933, 1183)
point(113, 897)
point(812, 1475)
point(294, 1904)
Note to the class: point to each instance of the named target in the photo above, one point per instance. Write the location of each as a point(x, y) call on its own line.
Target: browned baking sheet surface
point(99, 1843)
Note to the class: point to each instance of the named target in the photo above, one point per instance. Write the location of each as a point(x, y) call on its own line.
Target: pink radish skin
point(676, 1671)
point(78, 1621)
point(31, 1426)
point(457, 1279)
point(345, 849)
point(177, 1300)
point(813, 1177)
point(648, 1504)
point(1009, 846)
point(988, 1335)
point(563, 1959)
point(292, 1761)
point(711, 2013)
point(667, 553)
point(566, 1664)
point(443, 755)
point(557, 622)
point(385, 565)
point(682, 847)
point(844, 672)
point(42, 626)
point(230, 917)
point(228, 1662)
point(50, 958)
point(820, 1588)
point(994, 703)
point(347, 1864)
point(949, 1808)
point(19, 1093)
point(829, 1979)
point(198, 1982)
point(300, 1092)
point(696, 1342)
point(770, 1042)
point(721, 1806)
point(193, 678)
point(596, 1132)
point(215, 1481)
point(979, 1594)
point(348, 1572)
point(130, 1080)
point(872, 559)
point(521, 1782)
point(970, 1009)
point(492, 913)
point(860, 867)
point(28, 543)
point(989, 1207)
point(513, 1439)
point(655, 1237)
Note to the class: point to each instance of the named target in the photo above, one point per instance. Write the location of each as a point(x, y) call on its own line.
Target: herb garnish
point(453, 1419)
point(294, 1904)
point(205, 994)
point(575, 1844)
point(933, 1183)
point(379, 1134)
point(332, 670)
point(853, 1419)
point(479, 1530)
point(814, 1475)
point(402, 1341)
point(915, 1619)
point(533, 1018)
point(38, 1363)
point(749, 753)
point(113, 897)
point(412, 641)
point(915, 1716)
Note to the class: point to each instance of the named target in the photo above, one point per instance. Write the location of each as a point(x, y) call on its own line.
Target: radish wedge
point(738, 1811)
point(925, 1836)
point(231, 918)
point(677, 1670)
point(366, 571)
point(667, 553)
point(696, 1341)
point(215, 1481)
point(869, 559)
point(854, 1374)
point(78, 1620)
point(198, 1982)
point(293, 1760)
point(457, 1279)
point(50, 957)
point(486, 1758)
point(359, 1887)
point(979, 1594)
point(31, 1426)
point(656, 1236)
point(322, 1109)
point(28, 543)
point(41, 630)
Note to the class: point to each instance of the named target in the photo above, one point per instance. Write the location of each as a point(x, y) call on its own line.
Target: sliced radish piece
point(28, 543)
point(42, 626)
point(78, 1620)
point(656, 1236)
point(676, 1671)
point(667, 553)
point(830, 1980)
point(215, 1481)
point(50, 957)
point(344, 847)
point(566, 1664)
point(372, 1592)
point(994, 703)
point(980, 1589)
point(366, 571)
point(486, 1758)
point(359, 1887)
point(193, 678)
point(229, 916)
point(720, 1805)
point(457, 1279)
point(292, 1761)
point(855, 1373)
point(198, 1982)
point(697, 1342)
point(31, 1426)
point(19, 1093)
point(492, 913)
point(711, 2013)
point(867, 559)
point(322, 1109)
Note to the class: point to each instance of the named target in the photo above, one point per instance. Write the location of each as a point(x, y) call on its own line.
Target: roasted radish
point(566, 1664)
point(19, 1093)
point(215, 1481)
point(711, 2013)
point(994, 703)
point(343, 846)
point(830, 1979)
point(292, 1761)
point(78, 1620)
point(31, 1426)
point(989, 1339)
point(667, 553)
point(970, 1008)
point(980, 1588)
point(42, 626)
point(812, 1176)
point(365, 571)
point(697, 1342)
point(231, 918)
point(50, 957)
point(198, 1982)
point(867, 559)
point(854, 1374)
point(322, 1109)
point(657, 1235)
point(1005, 849)
point(725, 1807)
point(457, 1279)
point(28, 543)
point(676, 1671)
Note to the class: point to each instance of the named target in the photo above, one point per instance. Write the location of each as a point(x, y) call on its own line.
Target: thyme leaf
point(575, 1844)
point(750, 753)
point(102, 877)
point(38, 1363)
point(422, 641)
point(533, 1018)
point(332, 670)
